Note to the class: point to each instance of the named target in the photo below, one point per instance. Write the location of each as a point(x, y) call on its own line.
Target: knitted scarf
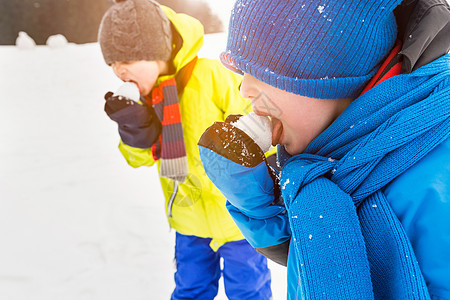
point(349, 243)
point(170, 146)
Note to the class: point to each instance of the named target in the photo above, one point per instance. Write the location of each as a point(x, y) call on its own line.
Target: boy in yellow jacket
point(181, 95)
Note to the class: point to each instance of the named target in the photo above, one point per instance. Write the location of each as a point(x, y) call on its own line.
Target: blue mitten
point(239, 169)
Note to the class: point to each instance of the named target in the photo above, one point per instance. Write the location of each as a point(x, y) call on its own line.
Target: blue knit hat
point(325, 49)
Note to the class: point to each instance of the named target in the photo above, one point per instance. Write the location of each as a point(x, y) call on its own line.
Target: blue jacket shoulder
point(420, 198)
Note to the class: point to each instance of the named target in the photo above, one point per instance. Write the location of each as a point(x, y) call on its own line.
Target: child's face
point(143, 73)
point(296, 120)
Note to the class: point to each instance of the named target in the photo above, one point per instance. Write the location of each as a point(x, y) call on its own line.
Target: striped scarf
point(170, 147)
point(340, 219)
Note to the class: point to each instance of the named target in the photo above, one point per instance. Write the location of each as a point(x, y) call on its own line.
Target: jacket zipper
point(172, 198)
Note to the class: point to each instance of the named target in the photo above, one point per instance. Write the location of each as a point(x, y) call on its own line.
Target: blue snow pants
point(245, 272)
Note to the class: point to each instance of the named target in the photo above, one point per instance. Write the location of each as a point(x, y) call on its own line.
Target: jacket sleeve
point(269, 236)
point(136, 157)
point(250, 202)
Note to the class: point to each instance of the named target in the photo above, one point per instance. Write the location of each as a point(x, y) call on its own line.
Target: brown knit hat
point(135, 30)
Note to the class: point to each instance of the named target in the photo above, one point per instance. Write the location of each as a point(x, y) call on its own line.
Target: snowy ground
point(76, 222)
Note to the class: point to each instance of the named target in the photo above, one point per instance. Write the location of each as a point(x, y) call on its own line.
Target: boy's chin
point(293, 150)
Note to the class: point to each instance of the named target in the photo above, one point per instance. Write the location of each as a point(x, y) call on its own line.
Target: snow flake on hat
point(320, 8)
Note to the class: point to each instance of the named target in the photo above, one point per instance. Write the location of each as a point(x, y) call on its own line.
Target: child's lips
point(277, 131)
point(137, 84)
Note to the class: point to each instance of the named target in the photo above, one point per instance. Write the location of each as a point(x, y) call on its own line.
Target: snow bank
point(56, 41)
point(24, 41)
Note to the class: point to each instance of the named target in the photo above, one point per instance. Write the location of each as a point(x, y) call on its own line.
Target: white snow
point(320, 8)
point(129, 90)
point(56, 41)
point(258, 128)
point(76, 222)
point(24, 41)
point(283, 186)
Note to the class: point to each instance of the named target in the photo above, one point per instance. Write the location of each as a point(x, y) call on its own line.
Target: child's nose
point(245, 87)
point(119, 71)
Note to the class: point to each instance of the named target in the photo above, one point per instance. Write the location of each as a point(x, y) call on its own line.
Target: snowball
point(128, 89)
point(56, 41)
point(258, 128)
point(24, 41)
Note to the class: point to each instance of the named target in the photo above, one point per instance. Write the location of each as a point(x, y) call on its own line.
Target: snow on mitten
point(139, 126)
point(238, 167)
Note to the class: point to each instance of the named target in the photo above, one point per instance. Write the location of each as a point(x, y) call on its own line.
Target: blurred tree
point(78, 20)
point(199, 10)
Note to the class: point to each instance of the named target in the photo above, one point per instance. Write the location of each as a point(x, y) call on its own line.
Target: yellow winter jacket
point(196, 207)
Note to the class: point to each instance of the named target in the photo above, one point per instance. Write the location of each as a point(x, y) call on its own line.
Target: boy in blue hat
point(362, 125)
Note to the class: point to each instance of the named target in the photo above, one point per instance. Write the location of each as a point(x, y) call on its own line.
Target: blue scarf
point(348, 241)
